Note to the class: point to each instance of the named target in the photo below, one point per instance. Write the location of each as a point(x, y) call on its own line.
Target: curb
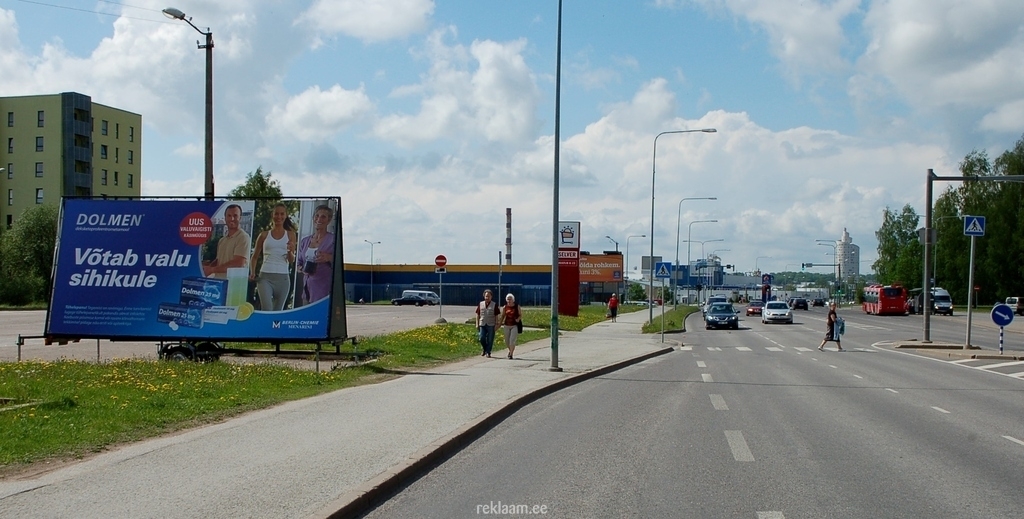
point(362, 498)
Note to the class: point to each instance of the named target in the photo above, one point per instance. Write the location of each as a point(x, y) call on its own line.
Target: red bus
point(885, 300)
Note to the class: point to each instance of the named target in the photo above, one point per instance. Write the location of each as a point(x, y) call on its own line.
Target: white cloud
point(316, 115)
point(373, 21)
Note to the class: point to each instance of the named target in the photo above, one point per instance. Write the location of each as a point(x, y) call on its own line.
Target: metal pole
point(970, 294)
point(209, 113)
point(926, 296)
point(554, 214)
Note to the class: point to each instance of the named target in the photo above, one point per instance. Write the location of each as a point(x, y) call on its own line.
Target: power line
point(55, 6)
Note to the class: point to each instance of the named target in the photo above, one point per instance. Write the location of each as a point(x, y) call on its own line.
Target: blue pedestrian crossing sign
point(663, 269)
point(974, 226)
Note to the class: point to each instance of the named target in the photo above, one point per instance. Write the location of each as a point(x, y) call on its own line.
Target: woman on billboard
point(316, 257)
point(276, 246)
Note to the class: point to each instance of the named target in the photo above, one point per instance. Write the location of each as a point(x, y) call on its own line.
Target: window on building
point(10, 145)
point(10, 171)
point(115, 178)
point(10, 119)
point(103, 127)
point(131, 180)
point(10, 197)
point(10, 221)
point(103, 151)
point(39, 144)
point(131, 157)
point(117, 130)
point(39, 118)
point(117, 154)
point(103, 178)
point(39, 195)
point(39, 169)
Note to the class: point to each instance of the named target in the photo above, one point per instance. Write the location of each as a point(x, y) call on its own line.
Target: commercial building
point(65, 145)
point(848, 257)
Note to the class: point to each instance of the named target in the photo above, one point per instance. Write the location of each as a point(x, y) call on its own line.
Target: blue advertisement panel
point(239, 270)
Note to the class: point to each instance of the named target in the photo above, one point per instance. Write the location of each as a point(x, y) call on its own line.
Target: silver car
point(776, 312)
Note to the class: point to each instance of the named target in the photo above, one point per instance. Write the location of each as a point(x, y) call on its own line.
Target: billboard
point(229, 269)
point(606, 268)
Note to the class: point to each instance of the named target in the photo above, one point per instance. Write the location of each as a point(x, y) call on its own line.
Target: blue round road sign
point(1002, 315)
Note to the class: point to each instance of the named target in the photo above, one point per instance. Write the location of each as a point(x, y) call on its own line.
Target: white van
point(942, 303)
point(430, 297)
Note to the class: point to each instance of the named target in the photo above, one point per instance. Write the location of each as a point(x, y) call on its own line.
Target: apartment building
point(65, 145)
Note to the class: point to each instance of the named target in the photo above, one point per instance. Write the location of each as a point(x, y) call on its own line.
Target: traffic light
point(699, 287)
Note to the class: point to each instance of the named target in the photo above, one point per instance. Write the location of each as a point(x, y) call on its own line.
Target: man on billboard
point(232, 248)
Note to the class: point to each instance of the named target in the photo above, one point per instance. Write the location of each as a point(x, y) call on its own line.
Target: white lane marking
point(713, 348)
point(963, 361)
point(1004, 364)
point(706, 377)
point(858, 376)
point(1014, 440)
point(879, 346)
point(701, 364)
point(686, 348)
point(1021, 374)
point(773, 348)
point(740, 451)
point(770, 515)
point(833, 366)
point(941, 410)
point(893, 390)
point(743, 348)
point(719, 403)
point(801, 348)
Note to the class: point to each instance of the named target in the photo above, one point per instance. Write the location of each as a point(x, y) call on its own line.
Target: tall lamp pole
point(836, 270)
point(176, 14)
point(689, 232)
point(554, 213)
point(654, 169)
point(625, 278)
point(616, 250)
point(372, 243)
point(675, 271)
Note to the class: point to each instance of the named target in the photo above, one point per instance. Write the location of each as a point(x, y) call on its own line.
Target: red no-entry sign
point(440, 260)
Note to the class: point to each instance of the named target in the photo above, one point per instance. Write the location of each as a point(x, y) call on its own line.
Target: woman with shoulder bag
point(512, 322)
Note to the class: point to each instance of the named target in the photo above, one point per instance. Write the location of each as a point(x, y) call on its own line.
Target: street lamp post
point(372, 244)
point(176, 14)
point(616, 249)
point(675, 271)
point(689, 232)
point(626, 279)
point(654, 169)
point(837, 271)
point(755, 263)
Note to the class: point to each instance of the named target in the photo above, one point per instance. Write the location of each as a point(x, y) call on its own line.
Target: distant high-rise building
point(848, 257)
point(65, 145)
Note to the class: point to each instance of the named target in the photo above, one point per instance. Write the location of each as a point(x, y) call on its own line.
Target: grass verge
point(675, 320)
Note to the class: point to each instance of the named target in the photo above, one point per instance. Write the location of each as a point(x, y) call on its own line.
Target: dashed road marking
point(891, 390)
point(773, 348)
point(941, 410)
point(743, 348)
point(702, 364)
point(738, 445)
point(1014, 440)
point(706, 377)
point(858, 376)
point(719, 403)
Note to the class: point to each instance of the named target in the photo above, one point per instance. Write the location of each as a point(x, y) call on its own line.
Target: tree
point(260, 185)
point(27, 251)
point(899, 249)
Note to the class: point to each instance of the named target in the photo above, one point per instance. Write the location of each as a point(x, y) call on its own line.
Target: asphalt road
point(755, 423)
point(363, 321)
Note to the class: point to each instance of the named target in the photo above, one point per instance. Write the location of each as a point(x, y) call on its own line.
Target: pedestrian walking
point(613, 306)
point(486, 319)
point(831, 328)
point(512, 323)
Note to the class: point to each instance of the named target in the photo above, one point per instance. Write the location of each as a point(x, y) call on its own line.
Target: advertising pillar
point(569, 268)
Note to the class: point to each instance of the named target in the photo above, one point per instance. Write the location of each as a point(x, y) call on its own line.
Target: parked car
point(429, 296)
point(721, 315)
point(1017, 304)
point(798, 303)
point(755, 307)
point(818, 302)
point(776, 312)
point(411, 299)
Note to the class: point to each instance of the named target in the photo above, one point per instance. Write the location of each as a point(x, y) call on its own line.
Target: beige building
point(65, 145)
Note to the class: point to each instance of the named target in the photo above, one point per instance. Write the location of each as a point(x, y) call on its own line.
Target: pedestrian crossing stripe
point(974, 226)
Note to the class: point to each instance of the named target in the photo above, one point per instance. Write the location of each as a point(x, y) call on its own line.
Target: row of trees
point(999, 255)
point(27, 248)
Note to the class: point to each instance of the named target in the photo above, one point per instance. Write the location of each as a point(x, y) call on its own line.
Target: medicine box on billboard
point(252, 270)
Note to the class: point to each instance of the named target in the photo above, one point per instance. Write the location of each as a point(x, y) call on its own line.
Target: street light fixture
point(616, 249)
point(675, 272)
point(176, 14)
point(372, 243)
point(654, 169)
point(624, 277)
point(689, 232)
point(755, 263)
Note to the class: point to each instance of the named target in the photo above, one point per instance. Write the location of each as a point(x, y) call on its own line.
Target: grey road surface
point(753, 423)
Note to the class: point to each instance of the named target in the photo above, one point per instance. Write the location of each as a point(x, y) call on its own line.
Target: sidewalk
point(329, 454)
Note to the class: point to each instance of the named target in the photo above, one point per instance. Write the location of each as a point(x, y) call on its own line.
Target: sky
point(430, 117)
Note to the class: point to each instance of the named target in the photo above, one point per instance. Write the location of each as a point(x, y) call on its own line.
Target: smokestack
point(508, 235)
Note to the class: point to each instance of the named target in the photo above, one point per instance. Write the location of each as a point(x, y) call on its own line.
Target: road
point(755, 423)
point(363, 321)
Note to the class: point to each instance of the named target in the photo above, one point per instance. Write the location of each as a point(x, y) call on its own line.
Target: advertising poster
point(569, 268)
point(600, 268)
point(239, 270)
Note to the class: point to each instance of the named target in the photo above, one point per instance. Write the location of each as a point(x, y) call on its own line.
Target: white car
point(776, 312)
